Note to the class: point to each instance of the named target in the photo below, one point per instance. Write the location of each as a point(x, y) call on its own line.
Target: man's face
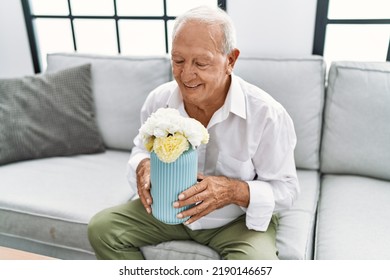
point(199, 65)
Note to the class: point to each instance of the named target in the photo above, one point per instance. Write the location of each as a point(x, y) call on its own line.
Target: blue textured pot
point(168, 181)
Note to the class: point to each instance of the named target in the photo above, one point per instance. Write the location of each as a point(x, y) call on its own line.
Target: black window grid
point(29, 18)
point(322, 21)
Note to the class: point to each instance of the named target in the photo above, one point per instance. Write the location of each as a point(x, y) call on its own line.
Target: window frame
point(322, 22)
point(29, 18)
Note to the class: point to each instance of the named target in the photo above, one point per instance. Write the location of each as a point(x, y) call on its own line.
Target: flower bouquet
point(172, 140)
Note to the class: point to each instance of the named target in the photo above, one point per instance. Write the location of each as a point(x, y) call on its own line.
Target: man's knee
point(104, 231)
point(98, 228)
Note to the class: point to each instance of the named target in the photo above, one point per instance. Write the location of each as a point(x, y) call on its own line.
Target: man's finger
point(195, 189)
point(197, 212)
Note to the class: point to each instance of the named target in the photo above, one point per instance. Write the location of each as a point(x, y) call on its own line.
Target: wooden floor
point(13, 254)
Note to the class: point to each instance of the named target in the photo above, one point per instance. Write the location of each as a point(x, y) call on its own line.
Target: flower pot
point(168, 180)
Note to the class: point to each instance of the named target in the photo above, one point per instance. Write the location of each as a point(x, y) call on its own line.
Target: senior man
point(247, 169)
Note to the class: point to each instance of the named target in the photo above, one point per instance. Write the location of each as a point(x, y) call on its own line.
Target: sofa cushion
point(50, 205)
point(298, 84)
point(120, 85)
point(356, 136)
point(295, 234)
point(353, 219)
point(48, 115)
point(179, 250)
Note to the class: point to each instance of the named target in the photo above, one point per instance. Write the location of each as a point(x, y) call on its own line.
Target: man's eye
point(179, 62)
point(201, 65)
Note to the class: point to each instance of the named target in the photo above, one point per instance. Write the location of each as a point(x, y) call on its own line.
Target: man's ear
point(232, 58)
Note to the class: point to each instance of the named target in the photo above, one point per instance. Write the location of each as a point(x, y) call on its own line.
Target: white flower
point(195, 132)
point(166, 122)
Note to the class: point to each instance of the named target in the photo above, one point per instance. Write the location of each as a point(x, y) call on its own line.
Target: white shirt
point(252, 138)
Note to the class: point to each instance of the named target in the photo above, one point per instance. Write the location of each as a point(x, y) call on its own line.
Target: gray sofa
point(342, 157)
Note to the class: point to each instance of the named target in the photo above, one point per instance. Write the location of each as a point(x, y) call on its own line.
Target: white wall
point(15, 57)
point(274, 27)
point(264, 28)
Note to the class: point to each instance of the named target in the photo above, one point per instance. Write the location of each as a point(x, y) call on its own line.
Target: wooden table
point(13, 254)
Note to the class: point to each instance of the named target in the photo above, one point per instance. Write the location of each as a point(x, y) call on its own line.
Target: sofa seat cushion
point(52, 200)
point(353, 219)
point(294, 238)
point(295, 235)
point(120, 85)
point(179, 250)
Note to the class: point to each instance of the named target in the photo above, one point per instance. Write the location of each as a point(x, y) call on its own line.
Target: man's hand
point(143, 183)
point(211, 193)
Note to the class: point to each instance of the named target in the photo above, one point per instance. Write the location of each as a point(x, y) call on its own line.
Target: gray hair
point(210, 15)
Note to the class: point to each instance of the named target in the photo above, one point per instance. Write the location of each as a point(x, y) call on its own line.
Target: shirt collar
point(235, 99)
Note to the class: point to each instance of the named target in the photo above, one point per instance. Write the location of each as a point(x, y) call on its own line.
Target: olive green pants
point(119, 232)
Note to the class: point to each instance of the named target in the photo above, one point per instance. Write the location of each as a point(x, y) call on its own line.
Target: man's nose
point(188, 73)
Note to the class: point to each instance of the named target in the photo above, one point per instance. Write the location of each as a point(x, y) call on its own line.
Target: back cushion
point(357, 120)
point(120, 85)
point(298, 84)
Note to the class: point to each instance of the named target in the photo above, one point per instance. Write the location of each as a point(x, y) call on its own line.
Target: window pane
point(96, 36)
point(177, 7)
point(49, 7)
point(140, 8)
point(356, 42)
point(92, 7)
point(170, 25)
point(142, 37)
point(359, 9)
point(53, 35)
